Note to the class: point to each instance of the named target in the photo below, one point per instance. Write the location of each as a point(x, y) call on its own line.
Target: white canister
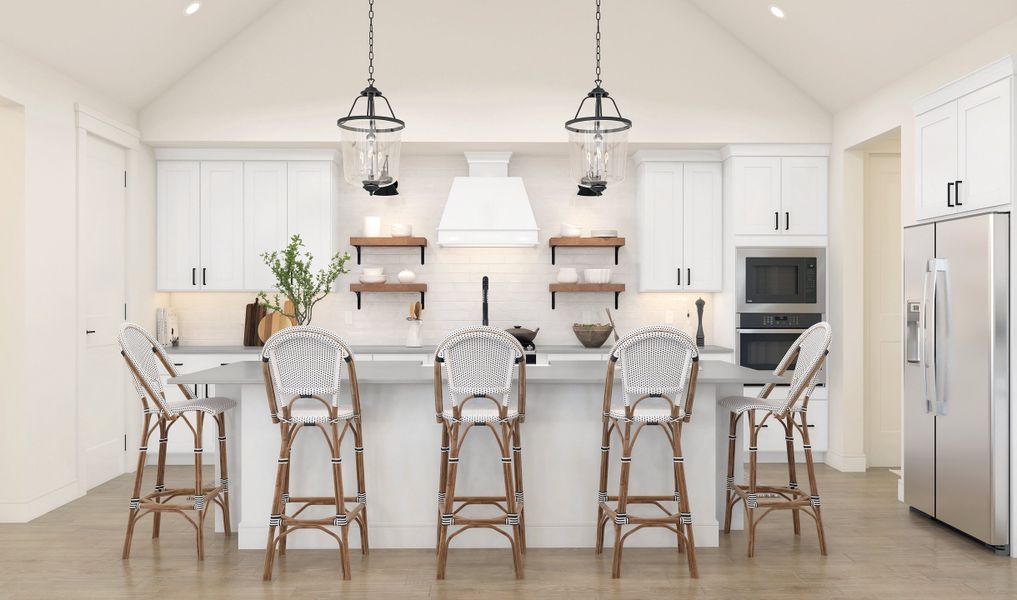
point(568, 275)
point(372, 226)
point(406, 276)
point(413, 333)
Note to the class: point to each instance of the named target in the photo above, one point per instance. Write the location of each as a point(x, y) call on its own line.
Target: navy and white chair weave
point(146, 361)
point(808, 354)
point(659, 366)
point(479, 364)
point(303, 369)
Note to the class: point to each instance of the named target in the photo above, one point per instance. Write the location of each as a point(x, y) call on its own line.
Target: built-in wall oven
point(764, 338)
point(781, 280)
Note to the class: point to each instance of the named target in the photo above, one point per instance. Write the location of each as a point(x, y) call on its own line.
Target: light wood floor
point(877, 550)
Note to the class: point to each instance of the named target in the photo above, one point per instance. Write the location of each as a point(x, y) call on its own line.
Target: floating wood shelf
point(389, 288)
point(586, 242)
point(389, 242)
point(617, 288)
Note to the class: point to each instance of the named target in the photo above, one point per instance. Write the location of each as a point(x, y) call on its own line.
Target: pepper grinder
point(700, 338)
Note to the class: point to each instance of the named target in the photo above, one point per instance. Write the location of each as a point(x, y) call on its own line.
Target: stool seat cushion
point(740, 404)
point(317, 414)
point(212, 406)
point(477, 414)
point(654, 414)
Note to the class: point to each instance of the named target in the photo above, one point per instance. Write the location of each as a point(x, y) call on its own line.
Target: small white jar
point(406, 276)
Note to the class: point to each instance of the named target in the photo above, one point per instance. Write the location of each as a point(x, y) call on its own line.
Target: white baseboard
point(103, 462)
point(846, 463)
point(23, 512)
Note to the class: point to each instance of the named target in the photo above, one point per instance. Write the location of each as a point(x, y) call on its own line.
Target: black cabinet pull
point(88, 331)
point(787, 221)
point(203, 282)
point(194, 276)
point(688, 278)
point(776, 221)
point(949, 188)
point(679, 275)
point(956, 193)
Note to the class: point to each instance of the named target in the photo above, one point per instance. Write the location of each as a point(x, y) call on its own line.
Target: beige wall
point(887, 109)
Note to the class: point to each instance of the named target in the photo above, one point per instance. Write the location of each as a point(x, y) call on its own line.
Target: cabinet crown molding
point(780, 150)
point(990, 73)
point(688, 155)
point(250, 154)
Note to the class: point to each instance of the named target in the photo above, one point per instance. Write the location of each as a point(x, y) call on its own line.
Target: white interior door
point(935, 161)
point(756, 195)
point(883, 303)
point(264, 219)
point(102, 281)
point(702, 240)
point(803, 194)
point(660, 232)
point(222, 226)
point(984, 147)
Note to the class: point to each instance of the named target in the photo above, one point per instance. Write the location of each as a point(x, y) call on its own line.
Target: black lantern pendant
point(598, 142)
point(371, 141)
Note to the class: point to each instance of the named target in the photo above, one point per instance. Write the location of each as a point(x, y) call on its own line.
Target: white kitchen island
point(561, 454)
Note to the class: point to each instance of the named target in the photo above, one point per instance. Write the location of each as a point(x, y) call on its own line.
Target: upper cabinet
point(779, 195)
point(215, 218)
point(679, 224)
point(964, 144)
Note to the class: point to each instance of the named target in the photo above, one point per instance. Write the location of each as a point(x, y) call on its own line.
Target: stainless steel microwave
point(775, 280)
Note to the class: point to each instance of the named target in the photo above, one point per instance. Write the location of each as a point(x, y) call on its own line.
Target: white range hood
point(488, 209)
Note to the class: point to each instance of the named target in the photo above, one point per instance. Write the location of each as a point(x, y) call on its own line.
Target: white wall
point(883, 111)
point(519, 277)
point(484, 72)
point(44, 297)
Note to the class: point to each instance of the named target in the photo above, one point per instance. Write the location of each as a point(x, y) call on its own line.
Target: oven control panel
point(778, 320)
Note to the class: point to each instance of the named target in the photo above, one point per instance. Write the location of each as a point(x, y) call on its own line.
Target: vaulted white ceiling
point(839, 51)
point(129, 50)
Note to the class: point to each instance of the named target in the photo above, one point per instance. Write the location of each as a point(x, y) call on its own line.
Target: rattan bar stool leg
point(792, 477)
point(447, 517)
point(750, 505)
point(198, 484)
point(277, 504)
point(358, 449)
point(340, 502)
point(283, 527)
point(732, 497)
point(623, 492)
point(224, 477)
point(605, 457)
point(442, 484)
point(684, 508)
point(136, 497)
point(512, 518)
point(160, 474)
point(517, 464)
point(813, 486)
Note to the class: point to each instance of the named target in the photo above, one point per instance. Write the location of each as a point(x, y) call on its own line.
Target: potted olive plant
point(297, 283)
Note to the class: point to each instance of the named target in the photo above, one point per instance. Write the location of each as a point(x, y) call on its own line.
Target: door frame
point(94, 123)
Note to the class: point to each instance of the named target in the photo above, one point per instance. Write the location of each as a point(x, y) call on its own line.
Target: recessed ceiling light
point(192, 8)
point(776, 11)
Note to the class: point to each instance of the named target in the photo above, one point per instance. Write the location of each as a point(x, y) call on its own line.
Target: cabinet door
point(222, 225)
point(309, 208)
point(756, 195)
point(703, 254)
point(264, 219)
point(935, 161)
point(660, 227)
point(178, 193)
point(984, 126)
point(803, 193)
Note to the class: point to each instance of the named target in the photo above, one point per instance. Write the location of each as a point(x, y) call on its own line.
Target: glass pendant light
point(597, 141)
point(370, 141)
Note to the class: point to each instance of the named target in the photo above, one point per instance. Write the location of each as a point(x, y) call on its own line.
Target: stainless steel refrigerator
point(956, 429)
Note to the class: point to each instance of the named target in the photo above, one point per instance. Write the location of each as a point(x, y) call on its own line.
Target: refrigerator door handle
point(939, 359)
point(926, 356)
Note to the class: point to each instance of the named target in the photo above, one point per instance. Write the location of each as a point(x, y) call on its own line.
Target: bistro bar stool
point(479, 363)
point(659, 366)
point(808, 354)
point(303, 373)
point(144, 355)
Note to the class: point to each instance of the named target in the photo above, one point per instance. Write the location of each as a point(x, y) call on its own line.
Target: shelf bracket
point(421, 262)
point(422, 306)
point(553, 248)
point(358, 300)
point(616, 249)
point(616, 294)
point(552, 299)
point(358, 260)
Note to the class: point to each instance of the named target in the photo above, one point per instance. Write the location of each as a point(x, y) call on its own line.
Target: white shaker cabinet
point(265, 230)
point(964, 144)
point(776, 195)
point(178, 199)
point(803, 193)
point(756, 191)
point(309, 208)
point(222, 226)
point(680, 225)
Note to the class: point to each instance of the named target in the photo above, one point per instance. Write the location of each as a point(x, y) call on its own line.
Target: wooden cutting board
point(253, 314)
point(274, 322)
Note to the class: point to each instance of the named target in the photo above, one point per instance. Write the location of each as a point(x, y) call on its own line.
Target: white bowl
point(568, 275)
point(568, 230)
point(402, 230)
point(373, 271)
point(372, 279)
point(597, 275)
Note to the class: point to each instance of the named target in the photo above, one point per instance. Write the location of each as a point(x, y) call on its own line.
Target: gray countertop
point(380, 349)
point(578, 371)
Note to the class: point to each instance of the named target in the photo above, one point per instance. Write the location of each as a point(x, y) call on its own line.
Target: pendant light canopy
point(598, 141)
point(371, 140)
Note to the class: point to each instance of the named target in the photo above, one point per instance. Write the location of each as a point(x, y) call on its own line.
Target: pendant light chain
point(370, 43)
point(597, 80)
